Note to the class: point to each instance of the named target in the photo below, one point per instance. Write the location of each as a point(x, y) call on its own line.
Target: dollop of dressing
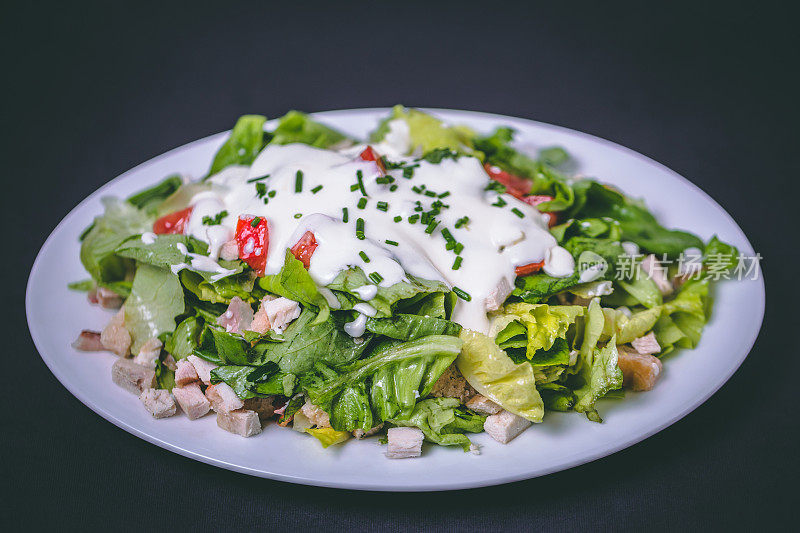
point(376, 225)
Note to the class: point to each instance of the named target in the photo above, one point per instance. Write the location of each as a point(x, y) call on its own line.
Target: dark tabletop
point(91, 91)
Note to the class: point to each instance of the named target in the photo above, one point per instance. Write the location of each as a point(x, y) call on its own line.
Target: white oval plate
point(56, 315)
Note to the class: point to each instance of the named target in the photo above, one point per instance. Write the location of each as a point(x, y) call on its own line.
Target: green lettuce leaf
point(600, 374)
point(243, 145)
point(361, 394)
point(251, 381)
point(410, 327)
point(443, 421)
point(643, 289)
point(492, 373)
point(625, 328)
point(150, 199)
point(543, 323)
point(427, 132)
point(328, 436)
point(294, 282)
point(156, 299)
point(185, 339)
point(297, 127)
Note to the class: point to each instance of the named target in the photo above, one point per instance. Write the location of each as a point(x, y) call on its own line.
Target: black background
point(92, 90)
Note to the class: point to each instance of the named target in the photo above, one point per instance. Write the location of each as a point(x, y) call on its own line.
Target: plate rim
point(566, 463)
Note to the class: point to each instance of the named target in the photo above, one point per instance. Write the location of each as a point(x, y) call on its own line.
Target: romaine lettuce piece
point(626, 328)
point(328, 436)
point(185, 339)
point(409, 327)
point(544, 323)
point(426, 132)
point(243, 145)
point(492, 373)
point(443, 421)
point(294, 282)
point(249, 381)
point(156, 299)
point(297, 127)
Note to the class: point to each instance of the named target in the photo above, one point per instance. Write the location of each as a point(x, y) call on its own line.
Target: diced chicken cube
point(237, 317)
point(192, 400)
point(482, 404)
point(159, 402)
point(149, 353)
point(223, 399)
point(170, 362)
point(316, 415)
point(275, 314)
point(89, 341)
point(185, 373)
point(229, 251)
point(241, 422)
point(451, 384)
point(202, 367)
point(115, 337)
point(404, 442)
point(108, 299)
point(656, 272)
point(262, 405)
point(361, 434)
point(639, 371)
point(505, 425)
point(498, 295)
point(132, 377)
point(646, 345)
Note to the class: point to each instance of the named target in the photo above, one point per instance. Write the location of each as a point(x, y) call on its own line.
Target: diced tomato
point(527, 270)
point(515, 186)
point(252, 236)
point(369, 155)
point(535, 200)
point(173, 222)
point(304, 248)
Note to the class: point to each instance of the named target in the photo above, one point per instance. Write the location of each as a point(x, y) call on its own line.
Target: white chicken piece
point(132, 377)
point(223, 398)
point(498, 295)
point(646, 345)
point(241, 422)
point(192, 400)
point(158, 402)
point(481, 404)
point(275, 314)
point(202, 367)
point(404, 442)
point(149, 353)
point(185, 373)
point(505, 426)
point(639, 372)
point(115, 337)
point(237, 317)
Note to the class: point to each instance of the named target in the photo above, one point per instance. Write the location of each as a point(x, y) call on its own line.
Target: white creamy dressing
point(495, 240)
point(200, 262)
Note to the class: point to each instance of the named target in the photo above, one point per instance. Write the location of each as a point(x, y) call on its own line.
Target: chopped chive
point(459, 248)
point(500, 202)
point(316, 189)
point(408, 172)
point(354, 187)
point(254, 222)
point(362, 203)
point(393, 188)
point(430, 193)
point(457, 263)
point(251, 180)
point(447, 235)
point(298, 181)
point(445, 194)
point(298, 215)
point(450, 245)
point(391, 243)
point(413, 219)
point(384, 180)
point(416, 189)
point(431, 226)
point(364, 256)
point(360, 229)
point(462, 221)
point(398, 218)
point(377, 278)
point(517, 212)
point(345, 216)
point(461, 294)
point(272, 194)
point(383, 206)
point(418, 208)
point(360, 178)
point(261, 189)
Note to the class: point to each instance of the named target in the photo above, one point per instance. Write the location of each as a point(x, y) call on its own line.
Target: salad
point(423, 284)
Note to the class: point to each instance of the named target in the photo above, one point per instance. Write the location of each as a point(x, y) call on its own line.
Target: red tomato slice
point(535, 200)
point(515, 186)
point(369, 155)
point(252, 236)
point(304, 248)
point(527, 270)
point(173, 222)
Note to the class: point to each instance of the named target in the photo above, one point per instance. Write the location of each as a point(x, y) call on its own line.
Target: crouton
point(451, 384)
point(229, 251)
point(192, 400)
point(261, 405)
point(498, 295)
point(237, 317)
point(158, 402)
point(108, 299)
point(89, 341)
point(223, 399)
point(115, 337)
point(639, 371)
point(361, 434)
point(149, 353)
point(656, 272)
point(505, 425)
point(202, 367)
point(185, 373)
point(241, 422)
point(316, 415)
point(482, 404)
point(131, 376)
point(404, 442)
point(646, 345)
point(275, 314)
